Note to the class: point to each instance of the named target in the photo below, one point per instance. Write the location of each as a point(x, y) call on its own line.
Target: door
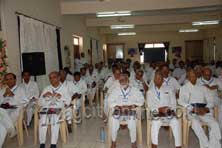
point(194, 50)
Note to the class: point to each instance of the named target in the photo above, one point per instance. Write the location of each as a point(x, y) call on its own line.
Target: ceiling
point(147, 15)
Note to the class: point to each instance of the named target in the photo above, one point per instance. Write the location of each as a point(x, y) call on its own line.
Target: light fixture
point(199, 23)
point(126, 33)
point(129, 26)
point(188, 30)
point(113, 13)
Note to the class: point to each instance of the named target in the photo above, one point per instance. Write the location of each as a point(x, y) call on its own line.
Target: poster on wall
point(132, 52)
point(177, 51)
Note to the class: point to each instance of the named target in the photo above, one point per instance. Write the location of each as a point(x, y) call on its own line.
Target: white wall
point(76, 25)
point(175, 39)
point(47, 10)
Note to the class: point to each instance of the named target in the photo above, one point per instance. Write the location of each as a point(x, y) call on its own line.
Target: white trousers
point(91, 93)
point(214, 130)
point(77, 103)
point(13, 114)
point(30, 112)
point(174, 125)
point(131, 124)
point(3, 134)
point(45, 120)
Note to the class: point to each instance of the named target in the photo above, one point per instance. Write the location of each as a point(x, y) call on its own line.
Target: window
point(76, 41)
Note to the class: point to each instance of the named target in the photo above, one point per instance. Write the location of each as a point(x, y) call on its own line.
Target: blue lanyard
point(55, 90)
point(13, 90)
point(125, 95)
point(157, 93)
point(204, 82)
point(167, 81)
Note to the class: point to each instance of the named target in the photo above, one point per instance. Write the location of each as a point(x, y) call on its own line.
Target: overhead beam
point(91, 7)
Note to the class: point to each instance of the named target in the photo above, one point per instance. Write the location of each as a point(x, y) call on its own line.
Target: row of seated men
point(124, 90)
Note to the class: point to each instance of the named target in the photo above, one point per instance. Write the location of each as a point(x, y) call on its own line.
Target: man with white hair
point(162, 100)
point(213, 85)
point(199, 104)
point(32, 93)
point(123, 100)
point(52, 100)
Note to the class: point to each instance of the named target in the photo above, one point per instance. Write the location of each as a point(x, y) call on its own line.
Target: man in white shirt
point(32, 94)
point(91, 81)
point(110, 84)
point(199, 104)
point(69, 75)
point(139, 82)
point(12, 96)
point(179, 71)
point(12, 100)
point(213, 85)
point(52, 100)
point(162, 101)
point(170, 81)
point(123, 100)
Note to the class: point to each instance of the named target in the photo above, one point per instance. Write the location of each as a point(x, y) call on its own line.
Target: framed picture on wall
point(132, 52)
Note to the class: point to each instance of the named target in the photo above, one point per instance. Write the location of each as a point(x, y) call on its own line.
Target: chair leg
point(184, 130)
point(19, 128)
point(187, 135)
point(83, 107)
point(97, 96)
point(139, 132)
point(63, 132)
point(26, 129)
point(148, 134)
point(101, 103)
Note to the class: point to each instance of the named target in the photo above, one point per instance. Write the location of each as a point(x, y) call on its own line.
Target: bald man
point(199, 104)
point(52, 100)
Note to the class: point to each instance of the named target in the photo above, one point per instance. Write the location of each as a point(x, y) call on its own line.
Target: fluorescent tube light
point(214, 22)
point(188, 30)
point(130, 26)
point(114, 13)
point(126, 33)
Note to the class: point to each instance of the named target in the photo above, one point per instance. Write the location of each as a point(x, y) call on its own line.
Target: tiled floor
point(87, 134)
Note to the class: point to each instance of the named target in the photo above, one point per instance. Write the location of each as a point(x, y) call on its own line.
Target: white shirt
point(138, 84)
point(190, 93)
point(81, 85)
point(91, 78)
point(178, 72)
point(213, 81)
point(69, 77)
point(109, 83)
point(163, 97)
point(19, 98)
point(121, 97)
point(31, 89)
point(49, 102)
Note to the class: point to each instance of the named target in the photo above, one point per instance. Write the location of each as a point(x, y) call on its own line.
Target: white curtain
point(36, 36)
